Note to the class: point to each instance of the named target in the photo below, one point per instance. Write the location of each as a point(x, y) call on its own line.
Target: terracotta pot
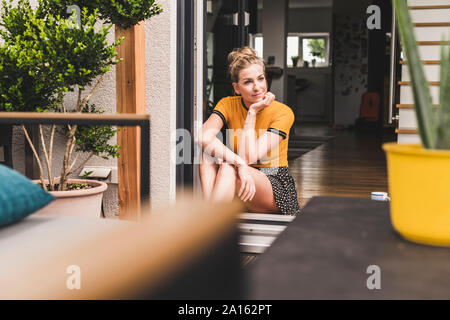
point(80, 203)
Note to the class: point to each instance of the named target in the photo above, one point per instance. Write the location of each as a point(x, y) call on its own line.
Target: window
point(312, 48)
point(292, 48)
point(256, 42)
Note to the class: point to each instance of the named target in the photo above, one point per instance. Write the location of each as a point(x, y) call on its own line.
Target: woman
point(257, 168)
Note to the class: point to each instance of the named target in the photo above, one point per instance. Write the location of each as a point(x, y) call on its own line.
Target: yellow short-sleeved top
point(277, 118)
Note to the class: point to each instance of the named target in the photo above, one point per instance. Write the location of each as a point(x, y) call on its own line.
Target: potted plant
point(44, 55)
point(316, 54)
point(419, 175)
point(295, 60)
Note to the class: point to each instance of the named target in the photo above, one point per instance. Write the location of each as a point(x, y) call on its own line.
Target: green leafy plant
point(295, 59)
point(43, 56)
point(317, 47)
point(123, 13)
point(434, 124)
point(86, 174)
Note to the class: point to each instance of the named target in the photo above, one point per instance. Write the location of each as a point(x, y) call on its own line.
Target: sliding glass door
point(229, 24)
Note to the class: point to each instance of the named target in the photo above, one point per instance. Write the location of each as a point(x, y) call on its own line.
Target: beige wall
point(161, 70)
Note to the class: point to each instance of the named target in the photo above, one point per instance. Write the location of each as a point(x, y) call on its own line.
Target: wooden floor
point(349, 165)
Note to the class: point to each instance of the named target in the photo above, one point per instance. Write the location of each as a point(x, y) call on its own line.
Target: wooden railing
point(125, 120)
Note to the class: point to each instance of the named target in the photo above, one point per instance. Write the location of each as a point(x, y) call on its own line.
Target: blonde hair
point(241, 58)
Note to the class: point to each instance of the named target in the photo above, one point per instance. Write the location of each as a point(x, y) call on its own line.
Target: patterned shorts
point(284, 191)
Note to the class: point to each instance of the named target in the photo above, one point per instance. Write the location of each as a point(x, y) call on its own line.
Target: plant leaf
point(443, 113)
point(422, 99)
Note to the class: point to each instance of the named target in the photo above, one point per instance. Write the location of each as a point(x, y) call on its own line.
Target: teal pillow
point(19, 196)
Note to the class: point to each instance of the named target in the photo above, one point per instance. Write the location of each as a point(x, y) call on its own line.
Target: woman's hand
point(265, 102)
point(248, 189)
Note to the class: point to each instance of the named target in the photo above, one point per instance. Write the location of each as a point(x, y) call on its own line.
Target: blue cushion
point(19, 196)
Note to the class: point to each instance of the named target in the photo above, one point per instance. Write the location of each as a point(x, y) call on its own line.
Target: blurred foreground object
point(188, 251)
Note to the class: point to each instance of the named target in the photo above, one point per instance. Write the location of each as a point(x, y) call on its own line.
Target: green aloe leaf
point(422, 99)
point(443, 113)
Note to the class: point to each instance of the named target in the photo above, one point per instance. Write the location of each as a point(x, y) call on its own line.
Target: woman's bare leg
point(208, 172)
point(220, 182)
point(224, 188)
point(263, 201)
point(228, 184)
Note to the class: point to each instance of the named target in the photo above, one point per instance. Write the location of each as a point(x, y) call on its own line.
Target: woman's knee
point(226, 169)
point(225, 181)
point(207, 160)
point(210, 161)
point(227, 172)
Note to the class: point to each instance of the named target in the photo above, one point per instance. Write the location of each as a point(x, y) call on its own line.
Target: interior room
point(106, 120)
point(325, 64)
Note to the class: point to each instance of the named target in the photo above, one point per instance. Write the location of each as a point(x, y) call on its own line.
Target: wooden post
point(130, 95)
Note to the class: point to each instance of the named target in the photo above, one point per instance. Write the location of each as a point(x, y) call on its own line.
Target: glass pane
point(314, 50)
point(292, 49)
point(259, 46)
point(221, 38)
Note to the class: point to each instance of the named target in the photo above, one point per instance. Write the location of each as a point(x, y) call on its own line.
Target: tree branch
point(50, 151)
point(46, 157)
point(65, 168)
point(41, 171)
point(82, 163)
point(74, 160)
point(79, 98)
point(86, 99)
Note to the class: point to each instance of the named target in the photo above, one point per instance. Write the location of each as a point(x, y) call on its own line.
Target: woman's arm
point(250, 148)
point(209, 143)
point(247, 143)
point(265, 144)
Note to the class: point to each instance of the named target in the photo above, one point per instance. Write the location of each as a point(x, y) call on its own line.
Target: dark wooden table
point(325, 252)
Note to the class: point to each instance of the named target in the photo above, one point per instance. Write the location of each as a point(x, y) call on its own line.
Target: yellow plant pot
point(419, 186)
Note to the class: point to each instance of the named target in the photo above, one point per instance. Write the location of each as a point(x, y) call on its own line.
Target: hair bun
point(241, 58)
point(239, 53)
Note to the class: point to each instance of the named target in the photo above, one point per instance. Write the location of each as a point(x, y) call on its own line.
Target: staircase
point(431, 20)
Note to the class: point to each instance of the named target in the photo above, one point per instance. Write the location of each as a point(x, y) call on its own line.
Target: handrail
point(123, 119)
point(392, 73)
point(73, 116)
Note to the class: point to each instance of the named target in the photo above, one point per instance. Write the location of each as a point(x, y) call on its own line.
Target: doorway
point(229, 24)
point(337, 60)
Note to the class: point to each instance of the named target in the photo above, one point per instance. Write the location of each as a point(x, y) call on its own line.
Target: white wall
point(349, 58)
point(310, 20)
point(274, 28)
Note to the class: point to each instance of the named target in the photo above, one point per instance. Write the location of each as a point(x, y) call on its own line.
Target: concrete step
point(257, 231)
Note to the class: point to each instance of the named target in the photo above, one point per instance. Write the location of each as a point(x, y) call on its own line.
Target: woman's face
point(252, 85)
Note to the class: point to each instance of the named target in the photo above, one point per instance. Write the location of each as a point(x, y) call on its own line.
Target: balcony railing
point(124, 120)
